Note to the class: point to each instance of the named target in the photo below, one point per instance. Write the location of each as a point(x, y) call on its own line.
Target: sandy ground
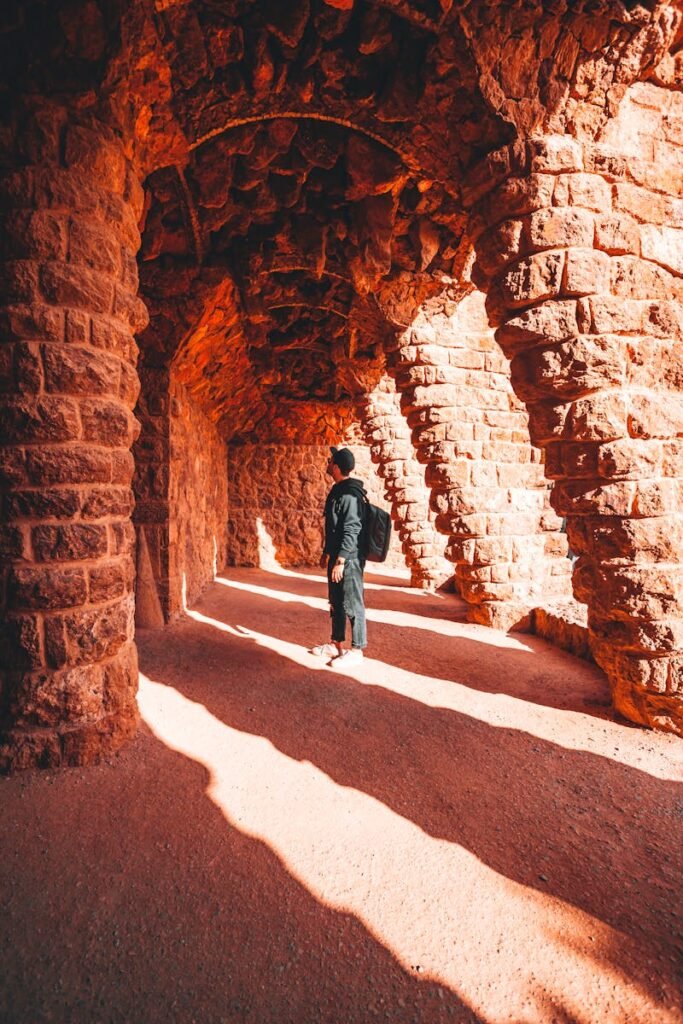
point(458, 830)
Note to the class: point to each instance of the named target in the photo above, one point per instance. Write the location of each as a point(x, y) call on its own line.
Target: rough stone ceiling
point(303, 212)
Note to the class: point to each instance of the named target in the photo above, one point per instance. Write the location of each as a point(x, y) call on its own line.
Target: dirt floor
point(458, 830)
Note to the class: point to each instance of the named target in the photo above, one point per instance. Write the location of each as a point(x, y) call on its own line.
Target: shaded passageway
point(459, 830)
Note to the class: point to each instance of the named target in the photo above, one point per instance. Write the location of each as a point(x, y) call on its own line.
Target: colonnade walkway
point(457, 830)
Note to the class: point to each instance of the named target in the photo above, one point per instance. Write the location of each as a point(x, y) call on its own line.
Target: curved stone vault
point(452, 230)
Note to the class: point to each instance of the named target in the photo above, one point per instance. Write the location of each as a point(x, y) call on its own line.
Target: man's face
point(331, 467)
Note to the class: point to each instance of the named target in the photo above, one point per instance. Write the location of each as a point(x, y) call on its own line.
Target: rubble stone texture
point(300, 189)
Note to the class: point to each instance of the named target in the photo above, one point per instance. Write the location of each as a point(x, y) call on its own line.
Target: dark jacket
point(344, 516)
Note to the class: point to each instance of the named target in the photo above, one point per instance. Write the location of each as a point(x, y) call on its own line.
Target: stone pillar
point(386, 432)
point(151, 487)
point(486, 479)
point(70, 206)
point(586, 292)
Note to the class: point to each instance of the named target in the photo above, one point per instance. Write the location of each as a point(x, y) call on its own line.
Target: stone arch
point(463, 82)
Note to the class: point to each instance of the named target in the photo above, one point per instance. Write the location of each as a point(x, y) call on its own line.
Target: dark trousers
point(346, 602)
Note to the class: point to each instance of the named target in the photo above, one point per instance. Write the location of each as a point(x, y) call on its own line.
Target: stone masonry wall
point(277, 493)
point(198, 500)
point(151, 479)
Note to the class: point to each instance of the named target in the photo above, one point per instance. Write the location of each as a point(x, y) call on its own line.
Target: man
point(344, 514)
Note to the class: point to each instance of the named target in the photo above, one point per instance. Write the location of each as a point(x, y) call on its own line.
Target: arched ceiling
point(326, 146)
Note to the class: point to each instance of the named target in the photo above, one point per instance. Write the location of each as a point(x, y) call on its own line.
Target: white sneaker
point(349, 659)
point(325, 651)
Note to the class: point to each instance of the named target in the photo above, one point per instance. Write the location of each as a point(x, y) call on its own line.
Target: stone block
point(19, 282)
point(617, 233)
point(631, 277)
point(513, 198)
point(598, 417)
point(589, 191)
point(46, 588)
point(547, 421)
point(77, 330)
point(663, 245)
point(629, 459)
point(108, 423)
point(43, 418)
point(36, 234)
point(656, 497)
point(110, 581)
point(120, 679)
point(130, 309)
point(586, 497)
point(80, 371)
point(655, 414)
point(499, 245)
point(72, 542)
point(555, 154)
point(570, 369)
point(68, 464)
point(43, 503)
point(112, 336)
point(560, 228)
point(123, 467)
point(28, 369)
point(587, 272)
point(68, 285)
point(92, 246)
point(551, 321)
point(532, 279)
point(29, 323)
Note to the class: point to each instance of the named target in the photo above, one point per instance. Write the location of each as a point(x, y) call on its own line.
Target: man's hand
point(338, 571)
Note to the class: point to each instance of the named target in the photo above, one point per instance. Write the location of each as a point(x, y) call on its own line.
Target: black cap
point(343, 458)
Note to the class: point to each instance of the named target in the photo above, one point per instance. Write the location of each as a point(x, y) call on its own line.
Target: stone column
point(586, 292)
point(486, 479)
point(70, 205)
point(386, 432)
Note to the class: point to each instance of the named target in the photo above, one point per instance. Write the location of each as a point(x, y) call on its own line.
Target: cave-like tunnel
point(445, 233)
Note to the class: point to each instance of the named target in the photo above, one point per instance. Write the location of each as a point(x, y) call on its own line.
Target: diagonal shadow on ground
point(127, 898)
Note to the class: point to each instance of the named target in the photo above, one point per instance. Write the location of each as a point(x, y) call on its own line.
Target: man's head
point(340, 463)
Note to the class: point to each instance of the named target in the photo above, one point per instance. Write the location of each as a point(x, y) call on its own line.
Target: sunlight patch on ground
point(510, 951)
point(389, 617)
point(571, 730)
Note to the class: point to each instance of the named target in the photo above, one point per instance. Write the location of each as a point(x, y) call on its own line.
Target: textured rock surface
point(69, 669)
point(587, 290)
point(470, 431)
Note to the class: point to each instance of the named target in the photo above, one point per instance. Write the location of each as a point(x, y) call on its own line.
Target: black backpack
point(376, 533)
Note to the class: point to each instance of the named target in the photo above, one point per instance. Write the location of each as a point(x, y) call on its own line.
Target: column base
point(71, 718)
point(509, 616)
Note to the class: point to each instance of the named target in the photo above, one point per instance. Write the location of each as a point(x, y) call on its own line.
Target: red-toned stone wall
point(198, 500)
point(151, 479)
point(70, 206)
point(277, 493)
